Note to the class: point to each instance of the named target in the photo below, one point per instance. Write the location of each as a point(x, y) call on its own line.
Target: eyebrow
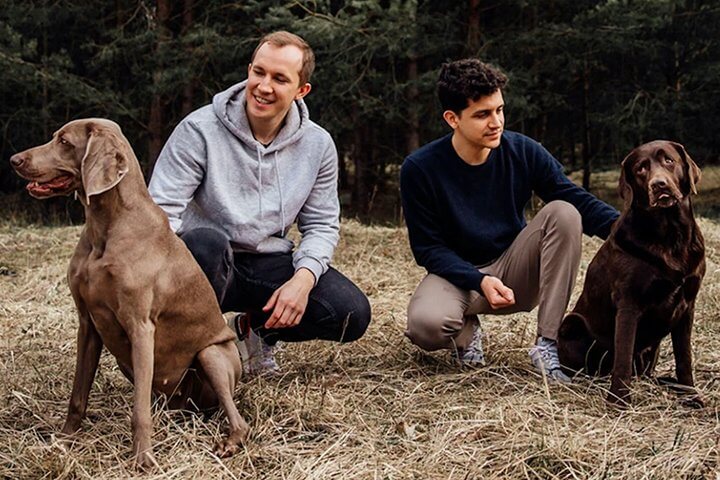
point(488, 110)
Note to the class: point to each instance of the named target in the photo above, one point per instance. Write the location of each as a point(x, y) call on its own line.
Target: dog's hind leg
point(646, 360)
point(577, 348)
point(221, 365)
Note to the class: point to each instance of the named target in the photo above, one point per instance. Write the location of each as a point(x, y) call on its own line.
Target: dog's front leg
point(625, 328)
point(142, 340)
point(682, 350)
point(89, 346)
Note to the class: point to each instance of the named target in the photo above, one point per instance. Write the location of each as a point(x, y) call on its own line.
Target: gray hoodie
point(213, 173)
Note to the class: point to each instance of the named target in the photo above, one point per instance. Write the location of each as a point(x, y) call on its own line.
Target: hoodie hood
point(229, 107)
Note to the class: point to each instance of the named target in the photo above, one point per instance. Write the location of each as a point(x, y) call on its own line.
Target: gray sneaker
point(258, 358)
point(472, 355)
point(544, 357)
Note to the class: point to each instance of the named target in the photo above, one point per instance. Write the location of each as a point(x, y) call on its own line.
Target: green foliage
point(587, 76)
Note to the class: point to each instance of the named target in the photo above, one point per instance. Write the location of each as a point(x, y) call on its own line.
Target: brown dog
point(137, 288)
point(642, 283)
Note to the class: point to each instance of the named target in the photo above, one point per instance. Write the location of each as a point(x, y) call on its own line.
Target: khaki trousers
point(540, 267)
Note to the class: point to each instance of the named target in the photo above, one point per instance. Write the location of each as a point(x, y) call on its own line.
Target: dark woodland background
point(589, 79)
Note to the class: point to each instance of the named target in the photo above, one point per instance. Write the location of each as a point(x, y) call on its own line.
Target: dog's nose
point(17, 160)
point(658, 183)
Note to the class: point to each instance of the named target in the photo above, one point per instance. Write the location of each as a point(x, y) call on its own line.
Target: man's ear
point(692, 171)
point(626, 177)
point(104, 163)
point(451, 118)
point(302, 91)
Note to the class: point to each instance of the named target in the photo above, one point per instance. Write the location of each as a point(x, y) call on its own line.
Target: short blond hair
point(282, 38)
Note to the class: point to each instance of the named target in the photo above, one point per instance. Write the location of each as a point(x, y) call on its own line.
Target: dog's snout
point(17, 160)
point(658, 183)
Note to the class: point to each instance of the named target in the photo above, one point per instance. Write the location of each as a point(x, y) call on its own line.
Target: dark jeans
point(243, 282)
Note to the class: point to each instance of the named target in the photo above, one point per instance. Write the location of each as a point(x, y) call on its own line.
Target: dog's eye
point(668, 161)
point(63, 141)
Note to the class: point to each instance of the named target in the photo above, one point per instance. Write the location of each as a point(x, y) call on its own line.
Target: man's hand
point(288, 302)
point(496, 293)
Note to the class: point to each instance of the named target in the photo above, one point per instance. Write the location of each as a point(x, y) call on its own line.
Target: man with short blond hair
point(233, 178)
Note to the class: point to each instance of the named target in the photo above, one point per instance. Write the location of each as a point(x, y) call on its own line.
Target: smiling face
point(274, 82)
point(658, 174)
point(480, 125)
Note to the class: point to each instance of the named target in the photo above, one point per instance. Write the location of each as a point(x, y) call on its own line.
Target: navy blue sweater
point(460, 216)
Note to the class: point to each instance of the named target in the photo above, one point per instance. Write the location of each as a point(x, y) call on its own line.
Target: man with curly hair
point(463, 198)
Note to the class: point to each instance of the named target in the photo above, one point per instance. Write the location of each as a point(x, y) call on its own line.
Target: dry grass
point(378, 408)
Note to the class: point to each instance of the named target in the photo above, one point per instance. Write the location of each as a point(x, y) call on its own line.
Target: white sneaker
point(472, 355)
point(258, 358)
point(544, 357)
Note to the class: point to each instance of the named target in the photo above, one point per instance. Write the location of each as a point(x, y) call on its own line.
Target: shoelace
point(549, 356)
point(476, 338)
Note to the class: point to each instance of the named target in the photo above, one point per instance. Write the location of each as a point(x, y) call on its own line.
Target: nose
point(658, 183)
point(496, 120)
point(265, 83)
point(17, 160)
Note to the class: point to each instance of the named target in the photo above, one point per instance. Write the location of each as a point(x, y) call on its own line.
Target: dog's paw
point(71, 426)
point(619, 400)
point(226, 448)
point(145, 461)
point(692, 401)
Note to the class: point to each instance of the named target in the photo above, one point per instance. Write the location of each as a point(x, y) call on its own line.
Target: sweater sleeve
point(319, 218)
point(551, 183)
point(179, 170)
point(422, 216)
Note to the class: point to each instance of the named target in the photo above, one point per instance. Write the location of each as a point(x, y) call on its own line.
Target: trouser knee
point(430, 332)
point(211, 250)
point(357, 318)
point(565, 218)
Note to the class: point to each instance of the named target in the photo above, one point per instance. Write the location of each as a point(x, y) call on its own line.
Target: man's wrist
point(306, 276)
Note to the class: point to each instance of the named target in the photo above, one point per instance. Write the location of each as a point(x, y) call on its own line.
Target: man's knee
point(356, 317)
point(211, 250)
point(208, 246)
point(430, 331)
point(564, 216)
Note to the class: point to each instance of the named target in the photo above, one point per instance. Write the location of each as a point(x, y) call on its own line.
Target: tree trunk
point(472, 43)
point(158, 103)
point(412, 138)
point(412, 141)
point(360, 158)
point(586, 157)
point(188, 94)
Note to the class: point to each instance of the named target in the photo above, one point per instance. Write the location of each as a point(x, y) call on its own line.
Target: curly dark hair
point(467, 80)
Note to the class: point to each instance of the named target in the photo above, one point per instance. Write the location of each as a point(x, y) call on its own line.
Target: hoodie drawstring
point(282, 205)
point(260, 185)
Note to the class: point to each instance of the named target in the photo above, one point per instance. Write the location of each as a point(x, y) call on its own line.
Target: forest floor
point(377, 408)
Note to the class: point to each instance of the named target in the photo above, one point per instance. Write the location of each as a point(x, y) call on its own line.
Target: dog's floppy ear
point(104, 163)
point(624, 187)
point(693, 171)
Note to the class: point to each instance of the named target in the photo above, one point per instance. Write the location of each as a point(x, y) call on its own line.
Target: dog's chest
point(96, 283)
point(665, 303)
